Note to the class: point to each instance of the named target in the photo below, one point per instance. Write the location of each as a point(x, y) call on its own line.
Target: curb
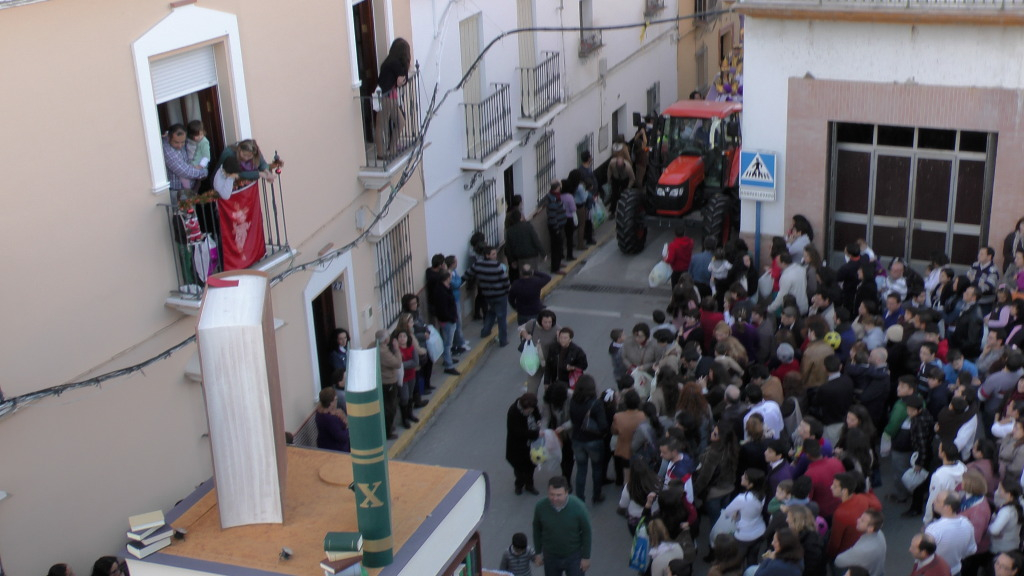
point(472, 358)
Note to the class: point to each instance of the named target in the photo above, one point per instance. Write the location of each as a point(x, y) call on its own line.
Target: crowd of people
point(751, 416)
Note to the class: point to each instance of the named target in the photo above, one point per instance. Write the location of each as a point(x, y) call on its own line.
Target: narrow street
point(608, 290)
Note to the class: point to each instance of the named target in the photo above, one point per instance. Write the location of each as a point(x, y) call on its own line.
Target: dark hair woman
point(642, 482)
point(522, 428)
point(746, 511)
point(717, 471)
point(784, 558)
point(728, 560)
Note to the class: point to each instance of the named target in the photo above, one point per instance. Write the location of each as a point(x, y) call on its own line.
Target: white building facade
point(535, 100)
point(900, 126)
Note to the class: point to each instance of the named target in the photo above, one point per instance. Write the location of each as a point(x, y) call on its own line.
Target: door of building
point(910, 192)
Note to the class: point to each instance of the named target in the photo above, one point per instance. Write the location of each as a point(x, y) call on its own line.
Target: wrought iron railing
point(391, 122)
point(545, 150)
point(197, 244)
point(486, 216)
point(488, 124)
point(590, 42)
point(395, 275)
point(541, 86)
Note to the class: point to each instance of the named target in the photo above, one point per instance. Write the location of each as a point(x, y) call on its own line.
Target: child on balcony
point(198, 149)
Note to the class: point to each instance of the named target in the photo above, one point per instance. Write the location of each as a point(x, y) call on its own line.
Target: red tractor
point(693, 164)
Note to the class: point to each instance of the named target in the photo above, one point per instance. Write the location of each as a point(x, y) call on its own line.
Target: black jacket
point(555, 370)
point(967, 336)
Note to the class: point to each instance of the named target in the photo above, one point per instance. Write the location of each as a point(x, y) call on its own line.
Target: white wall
point(632, 68)
point(776, 50)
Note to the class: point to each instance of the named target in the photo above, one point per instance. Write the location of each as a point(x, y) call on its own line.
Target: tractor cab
point(694, 147)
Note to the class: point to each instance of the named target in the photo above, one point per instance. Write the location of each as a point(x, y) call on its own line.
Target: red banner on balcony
point(241, 228)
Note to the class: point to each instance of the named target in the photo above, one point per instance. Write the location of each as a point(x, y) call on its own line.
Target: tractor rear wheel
point(630, 228)
point(721, 217)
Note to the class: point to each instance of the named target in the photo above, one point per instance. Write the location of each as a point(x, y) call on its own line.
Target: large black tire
point(630, 228)
point(721, 217)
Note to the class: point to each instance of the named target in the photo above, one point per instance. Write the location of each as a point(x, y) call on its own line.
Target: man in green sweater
point(561, 531)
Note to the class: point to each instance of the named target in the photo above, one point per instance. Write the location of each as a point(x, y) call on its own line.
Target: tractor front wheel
point(721, 217)
point(630, 228)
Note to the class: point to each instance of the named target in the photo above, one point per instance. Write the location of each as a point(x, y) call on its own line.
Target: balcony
point(488, 128)
point(653, 7)
point(196, 242)
point(590, 42)
point(541, 91)
point(964, 12)
point(701, 9)
point(391, 124)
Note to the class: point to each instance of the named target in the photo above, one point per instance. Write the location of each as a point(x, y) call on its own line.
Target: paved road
point(608, 291)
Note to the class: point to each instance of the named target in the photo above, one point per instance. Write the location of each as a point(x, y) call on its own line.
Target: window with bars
point(545, 148)
point(486, 217)
point(585, 144)
point(654, 99)
point(702, 68)
point(395, 276)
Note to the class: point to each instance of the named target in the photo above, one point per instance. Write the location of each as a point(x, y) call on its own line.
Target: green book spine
point(343, 542)
point(365, 399)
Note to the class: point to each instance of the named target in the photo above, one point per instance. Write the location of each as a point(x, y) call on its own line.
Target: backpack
point(648, 451)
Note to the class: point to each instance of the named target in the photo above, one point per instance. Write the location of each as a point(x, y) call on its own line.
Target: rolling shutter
point(184, 73)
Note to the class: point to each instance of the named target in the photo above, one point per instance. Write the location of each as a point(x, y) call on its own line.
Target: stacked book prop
point(344, 552)
point(148, 533)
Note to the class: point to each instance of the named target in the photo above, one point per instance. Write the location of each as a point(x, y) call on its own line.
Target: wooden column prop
point(242, 391)
point(363, 394)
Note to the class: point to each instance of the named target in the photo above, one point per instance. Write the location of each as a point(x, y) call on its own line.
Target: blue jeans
point(584, 451)
point(713, 508)
point(558, 565)
point(447, 335)
point(497, 312)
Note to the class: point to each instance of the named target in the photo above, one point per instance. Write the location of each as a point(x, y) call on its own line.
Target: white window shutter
point(183, 73)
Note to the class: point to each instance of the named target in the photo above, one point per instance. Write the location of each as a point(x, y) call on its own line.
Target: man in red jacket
point(844, 521)
point(680, 251)
point(821, 471)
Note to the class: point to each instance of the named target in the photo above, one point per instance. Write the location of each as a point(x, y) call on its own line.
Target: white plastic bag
point(641, 382)
point(660, 274)
point(599, 213)
point(886, 446)
point(529, 359)
point(435, 345)
point(764, 286)
point(913, 478)
point(546, 451)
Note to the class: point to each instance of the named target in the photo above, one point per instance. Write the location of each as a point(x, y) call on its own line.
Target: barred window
point(485, 212)
point(702, 69)
point(654, 99)
point(395, 276)
point(586, 144)
point(545, 149)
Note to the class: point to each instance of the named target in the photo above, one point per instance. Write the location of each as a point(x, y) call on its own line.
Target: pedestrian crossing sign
point(757, 175)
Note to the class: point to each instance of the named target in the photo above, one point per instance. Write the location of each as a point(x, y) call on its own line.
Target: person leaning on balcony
point(179, 165)
point(394, 73)
point(250, 159)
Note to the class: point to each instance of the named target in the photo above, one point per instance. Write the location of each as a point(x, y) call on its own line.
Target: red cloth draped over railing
point(241, 228)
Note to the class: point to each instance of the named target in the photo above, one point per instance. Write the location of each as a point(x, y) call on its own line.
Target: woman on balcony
point(240, 213)
point(394, 72)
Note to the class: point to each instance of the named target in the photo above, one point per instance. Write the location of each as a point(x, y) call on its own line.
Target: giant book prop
point(242, 391)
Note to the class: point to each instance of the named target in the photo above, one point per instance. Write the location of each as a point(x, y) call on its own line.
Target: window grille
point(545, 149)
point(702, 69)
point(654, 99)
point(587, 143)
point(485, 212)
point(394, 271)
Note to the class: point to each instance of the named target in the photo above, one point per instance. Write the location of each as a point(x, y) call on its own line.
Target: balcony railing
point(488, 124)
point(590, 42)
point(196, 244)
point(391, 123)
point(541, 86)
point(702, 7)
point(653, 7)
